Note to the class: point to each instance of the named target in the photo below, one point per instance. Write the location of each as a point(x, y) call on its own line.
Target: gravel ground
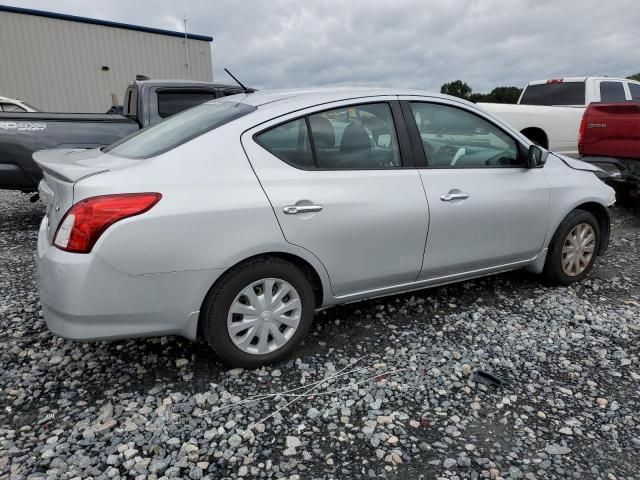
point(385, 388)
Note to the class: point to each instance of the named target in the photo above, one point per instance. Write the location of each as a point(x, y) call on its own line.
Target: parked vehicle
point(610, 139)
point(549, 111)
point(15, 106)
point(146, 102)
point(238, 218)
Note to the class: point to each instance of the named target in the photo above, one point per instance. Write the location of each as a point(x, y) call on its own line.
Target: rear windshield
point(559, 93)
point(178, 129)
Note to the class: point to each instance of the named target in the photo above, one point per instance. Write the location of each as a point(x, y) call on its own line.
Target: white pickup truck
point(549, 112)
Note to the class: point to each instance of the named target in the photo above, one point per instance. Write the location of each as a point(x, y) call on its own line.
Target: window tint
point(634, 88)
point(556, 93)
point(456, 138)
point(178, 129)
point(360, 136)
point(289, 142)
point(171, 102)
point(612, 92)
point(9, 107)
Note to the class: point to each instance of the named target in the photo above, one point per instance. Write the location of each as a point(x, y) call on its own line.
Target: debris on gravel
point(382, 388)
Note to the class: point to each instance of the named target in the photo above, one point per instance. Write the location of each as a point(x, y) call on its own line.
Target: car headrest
point(322, 131)
point(355, 138)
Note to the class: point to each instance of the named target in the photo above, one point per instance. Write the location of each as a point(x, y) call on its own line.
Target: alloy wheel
point(264, 316)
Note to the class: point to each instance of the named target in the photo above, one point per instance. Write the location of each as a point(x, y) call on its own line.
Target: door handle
point(448, 197)
point(295, 209)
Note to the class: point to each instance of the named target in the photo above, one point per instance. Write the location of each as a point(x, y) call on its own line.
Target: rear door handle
point(448, 197)
point(295, 209)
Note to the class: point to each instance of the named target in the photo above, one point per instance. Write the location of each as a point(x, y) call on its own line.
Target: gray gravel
point(401, 403)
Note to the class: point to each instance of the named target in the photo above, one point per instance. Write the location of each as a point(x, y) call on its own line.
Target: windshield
point(178, 129)
point(556, 93)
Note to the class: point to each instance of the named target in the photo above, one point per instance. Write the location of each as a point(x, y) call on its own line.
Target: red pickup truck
point(610, 138)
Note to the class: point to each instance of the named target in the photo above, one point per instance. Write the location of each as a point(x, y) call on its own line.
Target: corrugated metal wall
point(56, 65)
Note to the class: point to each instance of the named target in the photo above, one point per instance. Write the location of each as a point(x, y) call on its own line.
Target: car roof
point(314, 96)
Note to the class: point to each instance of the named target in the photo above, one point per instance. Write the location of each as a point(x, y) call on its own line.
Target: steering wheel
point(461, 151)
point(498, 159)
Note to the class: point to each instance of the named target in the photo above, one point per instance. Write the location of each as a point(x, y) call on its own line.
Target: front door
point(486, 208)
point(342, 188)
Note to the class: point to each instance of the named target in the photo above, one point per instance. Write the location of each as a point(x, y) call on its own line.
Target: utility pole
point(186, 47)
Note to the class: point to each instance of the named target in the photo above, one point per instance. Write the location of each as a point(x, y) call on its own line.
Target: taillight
point(556, 80)
point(581, 132)
point(83, 224)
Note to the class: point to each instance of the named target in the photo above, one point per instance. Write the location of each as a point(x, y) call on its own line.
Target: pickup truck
point(610, 139)
point(146, 102)
point(549, 112)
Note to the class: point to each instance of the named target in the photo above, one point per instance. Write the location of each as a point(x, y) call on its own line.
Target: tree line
point(461, 89)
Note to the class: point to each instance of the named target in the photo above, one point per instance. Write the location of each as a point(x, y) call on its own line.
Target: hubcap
point(578, 249)
point(264, 316)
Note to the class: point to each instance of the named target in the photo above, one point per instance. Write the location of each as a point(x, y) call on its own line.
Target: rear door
point(486, 209)
point(342, 185)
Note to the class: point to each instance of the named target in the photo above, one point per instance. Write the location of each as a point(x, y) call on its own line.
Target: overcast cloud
point(403, 43)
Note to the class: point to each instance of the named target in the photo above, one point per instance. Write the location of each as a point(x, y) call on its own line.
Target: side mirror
point(536, 156)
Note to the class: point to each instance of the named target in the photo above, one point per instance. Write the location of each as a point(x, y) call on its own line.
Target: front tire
point(573, 249)
point(258, 313)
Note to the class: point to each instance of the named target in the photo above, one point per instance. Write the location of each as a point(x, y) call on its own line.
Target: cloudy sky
point(404, 43)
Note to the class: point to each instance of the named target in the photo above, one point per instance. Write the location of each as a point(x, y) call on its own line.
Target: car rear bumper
point(86, 298)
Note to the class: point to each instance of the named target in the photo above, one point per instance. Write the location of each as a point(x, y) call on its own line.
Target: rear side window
point(289, 142)
point(171, 102)
point(353, 137)
point(556, 93)
point(612, 92)
point(179, 129)
point(634, 88)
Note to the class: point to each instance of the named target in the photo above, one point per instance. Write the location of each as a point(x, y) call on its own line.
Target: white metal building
point(65, 63)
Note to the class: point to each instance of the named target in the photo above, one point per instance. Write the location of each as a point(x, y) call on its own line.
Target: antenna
point(186, 46)
point(246, 90)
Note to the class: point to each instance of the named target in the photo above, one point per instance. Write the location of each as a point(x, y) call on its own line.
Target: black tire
point(553, 272)
point(216, 307)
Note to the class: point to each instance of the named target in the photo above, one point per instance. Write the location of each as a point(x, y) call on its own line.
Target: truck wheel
point(258, 313)
point(573, 249)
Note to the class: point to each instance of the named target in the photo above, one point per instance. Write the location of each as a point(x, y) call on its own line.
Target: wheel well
point(306, 267)
point(604, 222)
point(536, 135)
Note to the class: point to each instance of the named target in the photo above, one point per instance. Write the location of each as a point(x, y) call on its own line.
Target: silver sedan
point(237, 219)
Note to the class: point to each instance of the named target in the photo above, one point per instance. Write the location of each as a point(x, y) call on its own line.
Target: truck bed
point(21, 134)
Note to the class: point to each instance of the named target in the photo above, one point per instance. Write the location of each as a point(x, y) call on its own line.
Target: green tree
point(457, 88)
point(504, 95)
point(635, 77)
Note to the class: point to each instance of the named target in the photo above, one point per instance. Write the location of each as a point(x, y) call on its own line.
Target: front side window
point(612, 92)
point(353, 137)
point(171, 102)
point(453, 137)
point(634, 88)
point(178, 129)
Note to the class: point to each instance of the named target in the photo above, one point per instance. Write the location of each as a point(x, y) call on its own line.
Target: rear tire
point(573, 249)
point(281, 320)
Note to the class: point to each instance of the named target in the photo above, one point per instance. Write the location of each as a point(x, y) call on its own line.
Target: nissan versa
point(240, 217)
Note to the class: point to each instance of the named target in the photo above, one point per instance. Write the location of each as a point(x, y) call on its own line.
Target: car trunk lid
point(62, 169)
